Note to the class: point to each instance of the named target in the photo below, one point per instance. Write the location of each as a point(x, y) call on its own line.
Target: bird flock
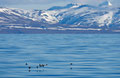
point(41, 65)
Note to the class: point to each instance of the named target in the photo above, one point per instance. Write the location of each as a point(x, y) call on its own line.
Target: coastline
point(35, 31)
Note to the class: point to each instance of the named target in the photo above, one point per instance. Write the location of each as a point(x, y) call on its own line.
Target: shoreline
point(34, 31)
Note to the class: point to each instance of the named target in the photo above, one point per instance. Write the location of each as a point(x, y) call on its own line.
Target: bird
point(40, 65)
point(29, 70)
point(43, 65)
point(37, 67)
point(29, 67)
point(71, 64)
point(26, 63)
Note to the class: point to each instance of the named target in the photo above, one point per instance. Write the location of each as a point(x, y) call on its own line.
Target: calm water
point(92, 55)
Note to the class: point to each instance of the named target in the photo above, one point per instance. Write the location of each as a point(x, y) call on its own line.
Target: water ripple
point(91, 55)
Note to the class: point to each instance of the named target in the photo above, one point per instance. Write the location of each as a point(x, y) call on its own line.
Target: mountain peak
point(75, 4)
point(71, 5)
point(109, 3)
point(106, 4)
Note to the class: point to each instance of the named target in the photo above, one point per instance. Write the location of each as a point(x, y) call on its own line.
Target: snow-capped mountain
point(105, 4)
point(83, 15)
point(72, 15)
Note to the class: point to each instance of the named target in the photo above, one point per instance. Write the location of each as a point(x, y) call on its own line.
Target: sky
point(45, 4)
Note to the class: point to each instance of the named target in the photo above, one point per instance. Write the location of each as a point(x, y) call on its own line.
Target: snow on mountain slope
point(71, 14)
point(116, 19)
point(12, 13)
point(17, 17)
point(84, 15)
point(105, 4)
point(105, 20)
point(72, 5)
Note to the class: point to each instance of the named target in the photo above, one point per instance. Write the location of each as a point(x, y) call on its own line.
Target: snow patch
point(105, 20)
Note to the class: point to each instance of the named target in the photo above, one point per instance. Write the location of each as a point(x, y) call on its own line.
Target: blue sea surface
point(91, 55)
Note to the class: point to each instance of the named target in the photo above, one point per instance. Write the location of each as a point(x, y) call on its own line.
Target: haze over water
point(91, 55)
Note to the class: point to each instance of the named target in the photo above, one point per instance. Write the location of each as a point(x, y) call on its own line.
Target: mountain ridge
point(69, 17)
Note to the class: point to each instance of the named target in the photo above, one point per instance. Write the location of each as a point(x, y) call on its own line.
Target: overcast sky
point(44, 4)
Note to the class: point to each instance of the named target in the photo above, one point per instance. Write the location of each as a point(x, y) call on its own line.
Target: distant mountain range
point(76, 18)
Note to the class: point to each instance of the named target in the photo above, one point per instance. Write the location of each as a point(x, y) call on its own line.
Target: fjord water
point(91, 55)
